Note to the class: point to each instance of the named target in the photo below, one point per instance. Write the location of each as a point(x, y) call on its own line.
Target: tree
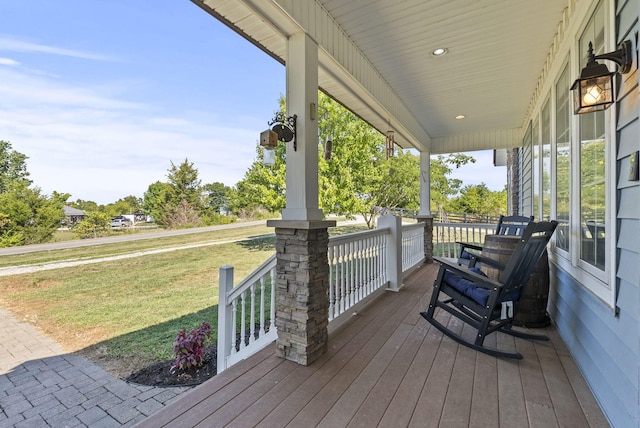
point(27, 216)
point(126, 205)
point(185, 185)
point(156, 198)
point(356, 178)
point(182, 215)
point(94, 225)
point(13, 167)
point(350, 181)
point(443, 187)
point(216, 196)
point(178, 200)
point(262, 190)
point(478, 199)
point(84, 205)
point(134, 202)
point(216, 199)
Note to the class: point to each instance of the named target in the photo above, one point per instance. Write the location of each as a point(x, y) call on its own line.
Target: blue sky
point(103, 95)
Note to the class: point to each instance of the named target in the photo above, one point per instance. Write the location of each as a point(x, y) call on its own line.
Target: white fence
point(361, 266)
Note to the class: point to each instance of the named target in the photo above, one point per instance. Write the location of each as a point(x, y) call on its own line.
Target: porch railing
point(246, 321)
point(357, 267)
point(361, 266)
point(445, 236)
point(412, 246)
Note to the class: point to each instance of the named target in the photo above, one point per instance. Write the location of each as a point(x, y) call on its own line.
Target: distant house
point(139, 216)
point(72, 215)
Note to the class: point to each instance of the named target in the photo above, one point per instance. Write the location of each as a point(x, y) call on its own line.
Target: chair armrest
point(479, 280)
point(464, 245)
point(479, 258)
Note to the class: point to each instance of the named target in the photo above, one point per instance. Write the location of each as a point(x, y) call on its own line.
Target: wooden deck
point(388, 367)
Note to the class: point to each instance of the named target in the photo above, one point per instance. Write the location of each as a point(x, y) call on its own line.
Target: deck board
point(388, 367)
point(484, 401)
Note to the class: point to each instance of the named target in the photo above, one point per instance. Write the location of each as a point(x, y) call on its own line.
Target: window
point(563, 160)
point(536, 168)
point(545, 121)
point(592, 162)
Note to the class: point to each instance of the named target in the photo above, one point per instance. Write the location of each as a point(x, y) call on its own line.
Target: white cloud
point(22, 89)
point(8, 61)
point(94, 144)
point(9, 43)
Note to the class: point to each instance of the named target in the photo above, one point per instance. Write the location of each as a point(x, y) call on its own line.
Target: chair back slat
point(512, 225)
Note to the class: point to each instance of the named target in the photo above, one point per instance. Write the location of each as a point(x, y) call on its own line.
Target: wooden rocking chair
point(507, 225)
point(486, 304)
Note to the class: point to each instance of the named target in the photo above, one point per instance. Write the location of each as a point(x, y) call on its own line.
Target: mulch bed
point(159, 374)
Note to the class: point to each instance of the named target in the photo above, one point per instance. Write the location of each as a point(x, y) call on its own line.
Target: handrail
point(253, 277)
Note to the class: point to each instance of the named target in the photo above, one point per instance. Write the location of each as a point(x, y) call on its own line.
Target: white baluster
point(252, 316)
point(243, 320)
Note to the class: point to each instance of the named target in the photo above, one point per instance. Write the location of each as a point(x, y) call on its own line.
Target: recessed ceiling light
point(460, 116)
point(439, 51)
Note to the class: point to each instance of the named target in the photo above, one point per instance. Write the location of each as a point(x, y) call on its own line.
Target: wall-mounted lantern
point(593, 90)
point(283, 129)
point(269, 140)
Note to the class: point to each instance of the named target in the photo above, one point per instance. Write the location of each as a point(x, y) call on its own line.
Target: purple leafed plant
point(189, 348)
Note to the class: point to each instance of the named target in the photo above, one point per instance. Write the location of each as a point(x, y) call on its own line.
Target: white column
point(425, 184)
point(302, 100)
point(394, 250)
point(225, 317)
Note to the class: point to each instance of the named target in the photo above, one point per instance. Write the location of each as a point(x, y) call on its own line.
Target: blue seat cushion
point(470, 289)
point(465, 255)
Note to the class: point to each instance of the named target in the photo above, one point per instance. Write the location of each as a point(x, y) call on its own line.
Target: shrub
point(189, 348)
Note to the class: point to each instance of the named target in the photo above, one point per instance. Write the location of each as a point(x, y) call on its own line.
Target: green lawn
point(132, 309)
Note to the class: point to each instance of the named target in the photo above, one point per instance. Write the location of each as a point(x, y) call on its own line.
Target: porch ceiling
point(375, 58)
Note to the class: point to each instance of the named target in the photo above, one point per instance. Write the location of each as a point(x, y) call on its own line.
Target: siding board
point(628, 272)
point(629, 233)
point(628, 206)
point(628, 104)
point(628, 138)
point(627, 13)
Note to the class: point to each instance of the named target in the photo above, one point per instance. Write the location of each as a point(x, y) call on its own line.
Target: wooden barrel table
point(532, 308)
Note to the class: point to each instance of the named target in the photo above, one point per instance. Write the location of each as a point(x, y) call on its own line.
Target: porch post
point(394, 250)
point(425, 184)
point(424, 215)
point(302, 100)
point(302, 238)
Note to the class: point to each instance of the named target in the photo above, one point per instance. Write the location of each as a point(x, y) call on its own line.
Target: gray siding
point(607, 347)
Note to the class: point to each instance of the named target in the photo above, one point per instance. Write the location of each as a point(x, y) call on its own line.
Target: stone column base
point(428, 237)
point(302, 303)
